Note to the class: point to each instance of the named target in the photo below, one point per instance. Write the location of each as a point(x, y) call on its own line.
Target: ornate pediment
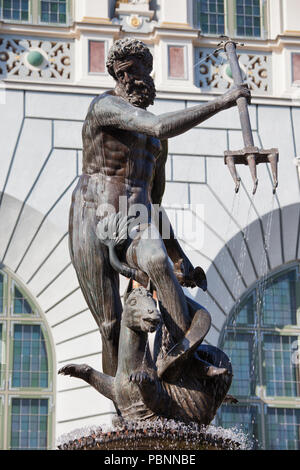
point(134, 15)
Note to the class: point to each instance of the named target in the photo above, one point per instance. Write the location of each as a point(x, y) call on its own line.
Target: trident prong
point(249, 155)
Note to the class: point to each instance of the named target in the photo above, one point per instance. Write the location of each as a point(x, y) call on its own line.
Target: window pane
point(283, 428)
point(21, 305)
point(279, 300)
point(271, 358)
point(30, 362)
point(45, 17)
point(16, 10)
point(29, 423)
point(280, 372)
point(248, 17)
point(245, 418)
point(245, 312)
point(207, 19)
point(54, 11)
point(240, 349)
point(256, 32)
point(221, 8)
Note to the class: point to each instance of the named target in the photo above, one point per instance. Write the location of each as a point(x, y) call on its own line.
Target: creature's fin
point(169, 367)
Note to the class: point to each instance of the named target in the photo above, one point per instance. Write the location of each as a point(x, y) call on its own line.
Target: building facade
point(52, 64)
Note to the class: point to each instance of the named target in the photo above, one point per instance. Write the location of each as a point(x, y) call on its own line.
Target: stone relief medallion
point(35, 59)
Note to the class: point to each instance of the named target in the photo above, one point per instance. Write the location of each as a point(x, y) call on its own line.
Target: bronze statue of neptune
point(124, 156)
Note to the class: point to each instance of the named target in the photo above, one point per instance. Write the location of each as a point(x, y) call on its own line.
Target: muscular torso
point(117, 163)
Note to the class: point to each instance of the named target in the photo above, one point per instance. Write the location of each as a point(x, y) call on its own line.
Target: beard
point(141, 93)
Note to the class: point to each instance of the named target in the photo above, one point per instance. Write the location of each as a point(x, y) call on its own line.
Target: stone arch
point(244, 259)
point(28, 368)
point(34, 247)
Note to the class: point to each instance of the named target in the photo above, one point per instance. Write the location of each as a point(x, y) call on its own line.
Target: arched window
point(26, 370)
point(262, 338)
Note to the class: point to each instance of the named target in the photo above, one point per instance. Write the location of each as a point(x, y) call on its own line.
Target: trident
point(249, 155)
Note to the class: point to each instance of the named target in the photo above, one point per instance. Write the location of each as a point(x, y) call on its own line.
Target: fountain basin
point(167, 435)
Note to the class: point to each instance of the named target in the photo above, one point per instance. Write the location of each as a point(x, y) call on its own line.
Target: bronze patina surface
point(124, 157)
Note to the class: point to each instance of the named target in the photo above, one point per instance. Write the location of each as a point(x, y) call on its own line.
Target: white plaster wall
point(92, 9)
point(40, 163)
point(274, 18)
point(174, 11)
point(291, 15)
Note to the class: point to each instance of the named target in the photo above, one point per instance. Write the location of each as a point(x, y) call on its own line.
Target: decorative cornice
point(162, 93)
point(175, 25)
point(170, 31)
point(37, 30)
point(93, 20)
point(292, 32)
point(166, 29)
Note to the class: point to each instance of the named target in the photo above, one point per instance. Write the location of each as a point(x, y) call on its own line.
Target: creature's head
point(130, 63)
point(140, 312)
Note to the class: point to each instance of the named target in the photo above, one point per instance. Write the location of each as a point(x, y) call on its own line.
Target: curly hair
point(123, 49)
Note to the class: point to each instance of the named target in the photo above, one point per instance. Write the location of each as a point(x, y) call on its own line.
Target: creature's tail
point(112, 231)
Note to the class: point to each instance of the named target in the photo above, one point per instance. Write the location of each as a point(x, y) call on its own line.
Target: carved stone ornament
point(213, 72)
point(134, 15)
point(35, 59)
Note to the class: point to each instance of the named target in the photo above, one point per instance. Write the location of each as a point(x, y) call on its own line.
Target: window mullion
point(264, 430)
point(3, 356)
point(7, 376)
point(264, 18)
point(259, 302)
point(34, 8)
